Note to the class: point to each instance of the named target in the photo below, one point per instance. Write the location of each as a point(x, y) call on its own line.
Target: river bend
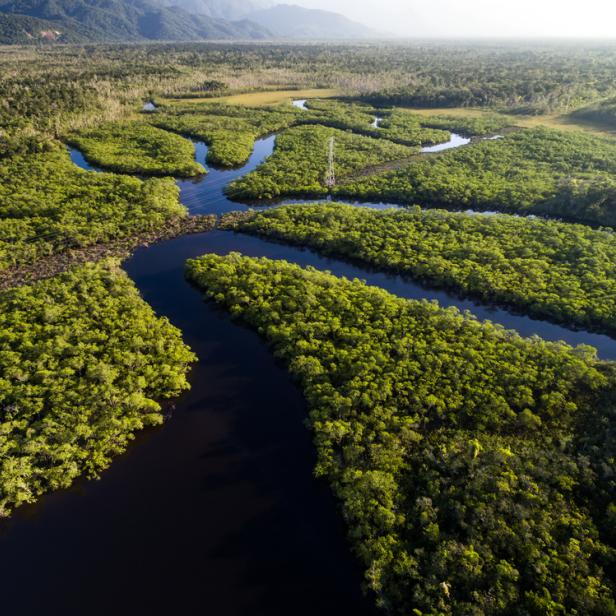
point(216, 512)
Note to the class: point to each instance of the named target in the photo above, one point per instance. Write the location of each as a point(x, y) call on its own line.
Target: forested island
point(85, 362)
point(169, 224)
point(536, 171)
point(433, 430)
point(498, 258)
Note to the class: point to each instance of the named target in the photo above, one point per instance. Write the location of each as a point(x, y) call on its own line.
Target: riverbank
point(208, 195)
point(58, 263)
point(224, 492)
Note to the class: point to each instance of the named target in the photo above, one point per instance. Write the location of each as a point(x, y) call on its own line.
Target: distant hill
point(296, 22)
point(220, 9)
point(76, 21)
point(114, 20)
point(23, 29)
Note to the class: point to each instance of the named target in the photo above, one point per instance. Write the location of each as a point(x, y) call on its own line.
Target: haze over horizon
point(478, 18)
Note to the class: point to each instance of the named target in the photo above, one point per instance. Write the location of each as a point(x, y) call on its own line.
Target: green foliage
point(229, 131)
point(48, 204)
point(83, 361)
point(54, 84)
point(403, 127)
point(299, 163)
point(40, 100)
point(23, 141)
point(230, 140)
point(470, 125)
point(532, 79)
point(136, 147)
point(398, 126)
point(603, 113)
point(475, 468)
point(538, 171)
point(561, 271)
point(337, 114)
point(452, 444)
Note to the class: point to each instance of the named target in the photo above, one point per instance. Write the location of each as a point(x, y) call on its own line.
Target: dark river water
point(216, 512)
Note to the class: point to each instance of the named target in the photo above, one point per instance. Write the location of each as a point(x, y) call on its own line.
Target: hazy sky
point(543, 18)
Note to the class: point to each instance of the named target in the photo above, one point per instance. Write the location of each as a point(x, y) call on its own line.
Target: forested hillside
point(113, 20)
point(24, 30)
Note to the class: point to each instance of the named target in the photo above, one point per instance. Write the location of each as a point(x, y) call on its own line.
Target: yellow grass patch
point(258, 99)
point(451, 111)
point(563, 122)
point(559, 121)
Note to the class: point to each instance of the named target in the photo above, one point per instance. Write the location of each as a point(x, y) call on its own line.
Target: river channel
point(216, 512)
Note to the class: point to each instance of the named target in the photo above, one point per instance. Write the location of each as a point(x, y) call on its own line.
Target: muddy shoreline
point(53, 265)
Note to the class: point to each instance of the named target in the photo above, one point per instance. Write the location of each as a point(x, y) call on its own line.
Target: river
point(216, 512)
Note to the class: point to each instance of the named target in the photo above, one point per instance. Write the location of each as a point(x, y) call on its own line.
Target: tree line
point(534, 171)
point(84, 363)
point(136, 147)
point(466, 459)
point(563, 272)
point(300, 161)
point(48, 204)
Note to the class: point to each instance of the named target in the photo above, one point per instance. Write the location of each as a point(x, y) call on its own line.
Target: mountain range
point(220, 9)
point(295, 22)
point(74, 21)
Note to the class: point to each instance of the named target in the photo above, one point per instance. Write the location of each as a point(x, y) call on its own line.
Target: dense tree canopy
point(83, 362)
point(299, 163)
point(536, 79)
point(136, 147)
point(565, 174)
point(48, 204)
point(458, 449)
point(401, 125)
point(475, 468)
point(50, 87)
point(229, 131)
point(481, 124)
point(561, 271)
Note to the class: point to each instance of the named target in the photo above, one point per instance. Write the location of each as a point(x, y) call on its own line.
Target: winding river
point(217, 512)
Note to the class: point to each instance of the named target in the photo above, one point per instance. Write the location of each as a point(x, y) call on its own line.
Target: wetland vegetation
point(135, 147)
point(229, 131)
point(84, 362)
point(299, 163)
point(564, 272)
point(474, 467)
point(533, 171)
point(460, 451)
point(47, 205)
